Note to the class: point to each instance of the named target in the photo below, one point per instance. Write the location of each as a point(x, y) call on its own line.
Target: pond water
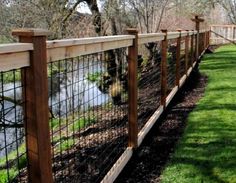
point(73, 91)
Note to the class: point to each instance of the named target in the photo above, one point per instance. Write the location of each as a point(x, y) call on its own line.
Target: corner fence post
point(133, 90)
point(164, 44)
point(34, 79)
point(186, 53)
point(177, 68)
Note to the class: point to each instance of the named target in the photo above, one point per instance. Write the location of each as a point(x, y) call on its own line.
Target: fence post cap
point(164, 30)
point(197, 18)
point(29, 32)
point(132, 30)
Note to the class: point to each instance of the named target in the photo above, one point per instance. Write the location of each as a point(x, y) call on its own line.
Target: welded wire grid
point(182, 57)
point(149, 84)
point(171, 64)
point(88, 114)
point(13, 161)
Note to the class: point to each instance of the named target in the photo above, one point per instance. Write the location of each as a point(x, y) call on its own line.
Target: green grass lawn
point(207, 151)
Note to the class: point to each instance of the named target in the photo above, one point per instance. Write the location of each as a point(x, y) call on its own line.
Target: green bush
point(94, 77)
point(4, 175)
point(11, 76)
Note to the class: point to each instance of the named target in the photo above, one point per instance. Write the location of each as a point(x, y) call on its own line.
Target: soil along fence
point(223, 34)
point(76, 109)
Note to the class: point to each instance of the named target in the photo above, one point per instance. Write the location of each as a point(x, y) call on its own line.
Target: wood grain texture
point(15, 47)
point(149, 124)
point(133, 90)
point(186, 60)
point(10, 61)
point(177, 68)
point(34, 79)
point(70, 51)
point(151, 37)
point(118, 166)
point(164, 45)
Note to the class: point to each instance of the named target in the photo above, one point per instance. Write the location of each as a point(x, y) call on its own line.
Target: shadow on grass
point(220, 66)
point(206, 167)
point(206, 152)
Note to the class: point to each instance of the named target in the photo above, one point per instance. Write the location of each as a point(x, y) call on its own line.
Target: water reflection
point(69, 91)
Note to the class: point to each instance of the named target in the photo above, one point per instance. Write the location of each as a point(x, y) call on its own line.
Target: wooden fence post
point(133, 90)
point(197, 20)
point(164, 45)
point(209, 37)
point(192, 52)
point(177, 68)
point(186, 52)
point(34, 80)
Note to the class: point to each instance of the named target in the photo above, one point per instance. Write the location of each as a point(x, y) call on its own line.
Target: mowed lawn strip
point(207, 151)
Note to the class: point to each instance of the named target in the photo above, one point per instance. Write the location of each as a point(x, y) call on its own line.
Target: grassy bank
point(207, 150)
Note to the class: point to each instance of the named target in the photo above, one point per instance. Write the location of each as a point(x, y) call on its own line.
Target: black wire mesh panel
point(13, 160)
point(149, 83)
point(182, 57)
point(88, 114)
point(171, 64)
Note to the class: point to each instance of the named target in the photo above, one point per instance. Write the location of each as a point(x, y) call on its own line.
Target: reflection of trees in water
point(11, 126)
point(68, 89)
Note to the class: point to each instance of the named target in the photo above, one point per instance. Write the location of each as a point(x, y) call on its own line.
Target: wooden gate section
point(223, 34)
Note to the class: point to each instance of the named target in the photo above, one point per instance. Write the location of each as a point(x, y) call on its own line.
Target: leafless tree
point(230, 8)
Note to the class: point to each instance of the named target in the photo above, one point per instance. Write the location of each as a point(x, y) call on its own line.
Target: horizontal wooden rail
point(10, 61)
point(148, 38)
point(15, 47)
point(173, 35)
point(202, 31)
point(17, 55)
point(64, 49)
point(231, 25)
point(14, 56)
point(90, 40)
point(148, 126)
point(118, 166)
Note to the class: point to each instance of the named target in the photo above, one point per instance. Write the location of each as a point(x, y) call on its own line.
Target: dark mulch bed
point(100, 145)
point(149, 160)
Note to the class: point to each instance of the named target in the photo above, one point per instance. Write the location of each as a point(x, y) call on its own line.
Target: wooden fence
point(33, 55)
point(223, 34)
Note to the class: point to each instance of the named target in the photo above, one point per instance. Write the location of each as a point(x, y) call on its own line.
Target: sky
point(83, 7)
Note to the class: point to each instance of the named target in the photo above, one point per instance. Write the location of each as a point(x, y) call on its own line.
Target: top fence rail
point(17, 55)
